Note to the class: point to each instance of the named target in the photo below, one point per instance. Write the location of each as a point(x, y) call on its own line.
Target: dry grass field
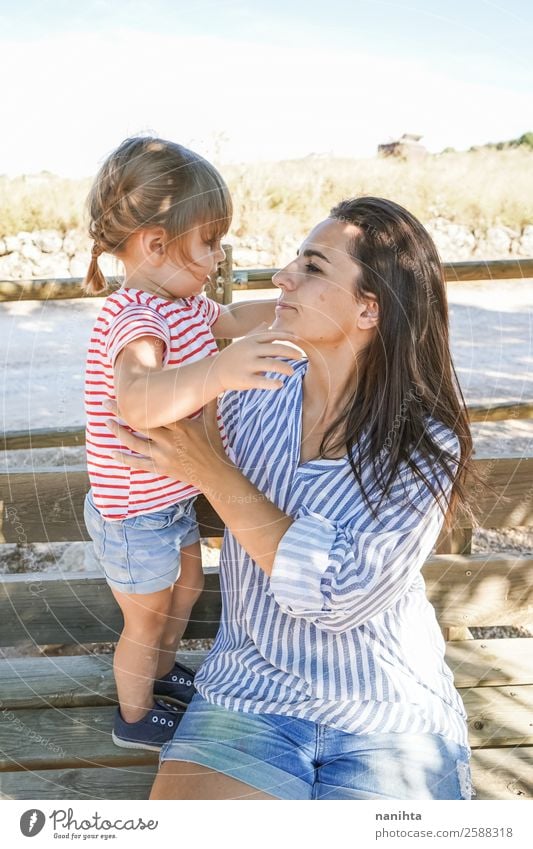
point(281, 200)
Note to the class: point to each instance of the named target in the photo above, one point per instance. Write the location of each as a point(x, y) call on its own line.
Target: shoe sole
point(130, 744)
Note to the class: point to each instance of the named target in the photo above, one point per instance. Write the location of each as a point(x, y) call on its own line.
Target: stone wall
point(48, 253)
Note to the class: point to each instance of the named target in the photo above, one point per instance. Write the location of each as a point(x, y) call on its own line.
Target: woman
point(327, 678)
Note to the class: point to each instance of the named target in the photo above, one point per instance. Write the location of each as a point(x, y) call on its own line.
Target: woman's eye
point(312, 268)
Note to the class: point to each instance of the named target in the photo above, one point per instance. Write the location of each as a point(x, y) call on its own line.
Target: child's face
point(181, 276)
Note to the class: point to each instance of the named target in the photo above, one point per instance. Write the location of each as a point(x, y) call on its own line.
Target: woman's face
point(317, 301)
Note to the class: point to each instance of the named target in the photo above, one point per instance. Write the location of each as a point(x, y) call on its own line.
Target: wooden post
point(221, 289)
point(455, 541)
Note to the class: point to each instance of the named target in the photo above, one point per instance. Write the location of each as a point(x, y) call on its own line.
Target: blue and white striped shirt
point(342, 632)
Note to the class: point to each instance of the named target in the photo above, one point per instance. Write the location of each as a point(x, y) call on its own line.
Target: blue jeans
point(142, 554)
point(292, 758)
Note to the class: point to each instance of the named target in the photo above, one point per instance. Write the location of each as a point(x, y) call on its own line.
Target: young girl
point(162, 210)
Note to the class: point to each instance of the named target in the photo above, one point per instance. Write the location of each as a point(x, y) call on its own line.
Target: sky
point(248, 81)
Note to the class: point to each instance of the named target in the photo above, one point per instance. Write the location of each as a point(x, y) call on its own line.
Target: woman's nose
point(283, 278)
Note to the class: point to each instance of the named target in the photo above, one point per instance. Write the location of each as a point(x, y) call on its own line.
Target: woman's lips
point(284, 307)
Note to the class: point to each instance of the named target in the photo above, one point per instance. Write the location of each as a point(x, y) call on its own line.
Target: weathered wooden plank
point(63, 738)
point(455, 541)
point(503, 269)
point(42, 682)
point(491, 663)
point(49, 608)
point(497, 774)
point(125, 782)
point(68, 436)
point(48, 288)
point(503, 773)
point(500, 412)
point(47, 506)
point(499, 716)
point(256, 278)
point(510, 502)
point(42, 438)
point(481, 589)
point(494, 269)
point(43, 506)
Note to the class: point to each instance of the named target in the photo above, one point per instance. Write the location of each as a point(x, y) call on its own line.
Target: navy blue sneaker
point(150, 732)
point(177, 686)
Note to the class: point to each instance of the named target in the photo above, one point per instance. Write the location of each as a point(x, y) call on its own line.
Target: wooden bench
point(56, 712)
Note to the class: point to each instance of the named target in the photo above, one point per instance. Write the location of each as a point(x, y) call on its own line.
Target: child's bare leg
point(137, 652)
point(185, 593)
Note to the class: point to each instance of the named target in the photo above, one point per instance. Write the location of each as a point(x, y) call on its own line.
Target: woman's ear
point(368, 315)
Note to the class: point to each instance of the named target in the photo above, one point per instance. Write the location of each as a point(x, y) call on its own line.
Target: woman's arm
point(192, 451)
point(335, 575)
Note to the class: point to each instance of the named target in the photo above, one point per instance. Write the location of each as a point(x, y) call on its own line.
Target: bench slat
point(496, 774)
point(79, 737)
point(491, 663)
point(79, 608)
point(499, 716)
point(41, 682)
point(61, 739)
point(480, 589)
point(503, 773)
point(131, 782)
point(46, 505)
point(511, 505)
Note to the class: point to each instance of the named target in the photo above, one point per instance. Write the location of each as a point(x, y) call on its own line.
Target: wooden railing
point(235, 279)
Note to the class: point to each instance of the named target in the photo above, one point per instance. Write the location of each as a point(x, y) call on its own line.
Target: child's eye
point(312, 268)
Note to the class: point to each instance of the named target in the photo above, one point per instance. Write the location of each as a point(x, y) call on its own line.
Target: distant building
point(407, 147)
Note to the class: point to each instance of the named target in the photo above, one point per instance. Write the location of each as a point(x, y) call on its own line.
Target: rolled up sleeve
point(338, 576)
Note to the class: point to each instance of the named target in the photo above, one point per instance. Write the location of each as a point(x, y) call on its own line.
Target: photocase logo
point(32, 822)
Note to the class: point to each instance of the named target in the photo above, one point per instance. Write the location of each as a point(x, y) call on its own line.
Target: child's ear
point(153, 243)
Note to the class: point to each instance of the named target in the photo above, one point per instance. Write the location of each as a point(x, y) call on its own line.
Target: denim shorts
point(292, 758)
point(142, 554)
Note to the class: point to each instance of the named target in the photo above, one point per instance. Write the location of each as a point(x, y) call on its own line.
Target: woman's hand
point(192, 451)
point(189, 450)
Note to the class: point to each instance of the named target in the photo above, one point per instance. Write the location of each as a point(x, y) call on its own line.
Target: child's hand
point(242, 364)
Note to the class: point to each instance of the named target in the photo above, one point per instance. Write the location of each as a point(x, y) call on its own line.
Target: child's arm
point(238, 319)
point(148, 396)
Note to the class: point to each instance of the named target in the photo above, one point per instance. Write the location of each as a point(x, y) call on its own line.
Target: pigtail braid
point(95, 281)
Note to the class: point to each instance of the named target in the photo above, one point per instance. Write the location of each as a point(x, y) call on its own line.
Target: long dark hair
point(406, 372)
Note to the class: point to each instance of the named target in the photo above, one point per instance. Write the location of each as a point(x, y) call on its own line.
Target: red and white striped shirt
point(184, 327)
